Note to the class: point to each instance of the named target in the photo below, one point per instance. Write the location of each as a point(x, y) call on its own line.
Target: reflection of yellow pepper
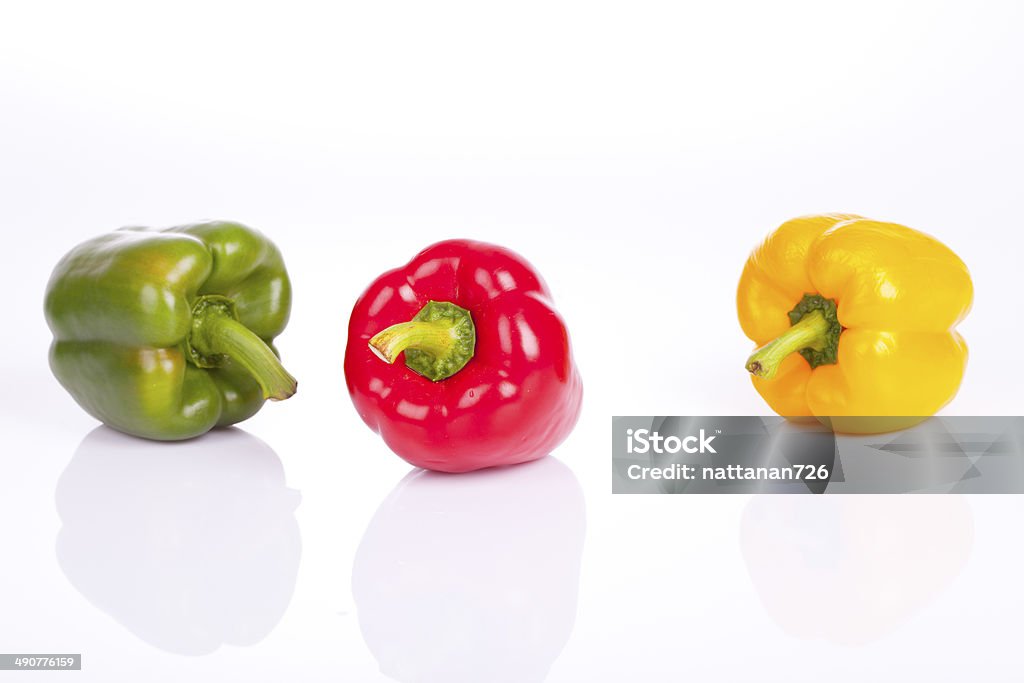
point(854, 317)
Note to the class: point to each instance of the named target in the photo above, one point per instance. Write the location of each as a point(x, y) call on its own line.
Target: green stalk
point(814, 334)
point(431, 338)
point(438, 342)
point(217, 333)
point(809, 333)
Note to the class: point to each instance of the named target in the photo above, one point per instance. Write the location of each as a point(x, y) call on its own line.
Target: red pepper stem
point(438, 341)
point(433, 338)
point(811, 332)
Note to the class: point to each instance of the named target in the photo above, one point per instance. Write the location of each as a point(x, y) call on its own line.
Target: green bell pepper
point(165, 334)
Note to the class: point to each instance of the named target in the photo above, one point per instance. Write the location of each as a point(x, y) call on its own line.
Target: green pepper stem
point(220, 334)
point(438, 342)
point(811, 332)
point(430, 337)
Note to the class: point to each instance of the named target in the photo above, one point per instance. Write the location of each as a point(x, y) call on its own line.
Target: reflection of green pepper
point(167, 334)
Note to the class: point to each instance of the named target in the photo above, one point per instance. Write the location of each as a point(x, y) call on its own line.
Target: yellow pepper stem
point(811, 332)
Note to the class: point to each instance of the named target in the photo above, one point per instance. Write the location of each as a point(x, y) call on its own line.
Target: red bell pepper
point(488, 376)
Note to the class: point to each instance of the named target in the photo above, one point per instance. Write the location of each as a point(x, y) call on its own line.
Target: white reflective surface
point(184, 562)
point(189, 546)
point(853, 569)
point(472, 578)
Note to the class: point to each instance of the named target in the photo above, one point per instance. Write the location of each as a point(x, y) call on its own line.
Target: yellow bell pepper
point(854, 318)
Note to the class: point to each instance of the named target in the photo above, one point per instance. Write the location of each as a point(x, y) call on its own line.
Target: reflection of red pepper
point(488, 377)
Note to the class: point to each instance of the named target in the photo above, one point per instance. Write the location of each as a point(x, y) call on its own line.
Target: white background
point(634, 152)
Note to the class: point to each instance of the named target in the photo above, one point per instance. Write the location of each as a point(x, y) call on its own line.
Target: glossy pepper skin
point(165, 334)
point(516, 398)
point(891, 297)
